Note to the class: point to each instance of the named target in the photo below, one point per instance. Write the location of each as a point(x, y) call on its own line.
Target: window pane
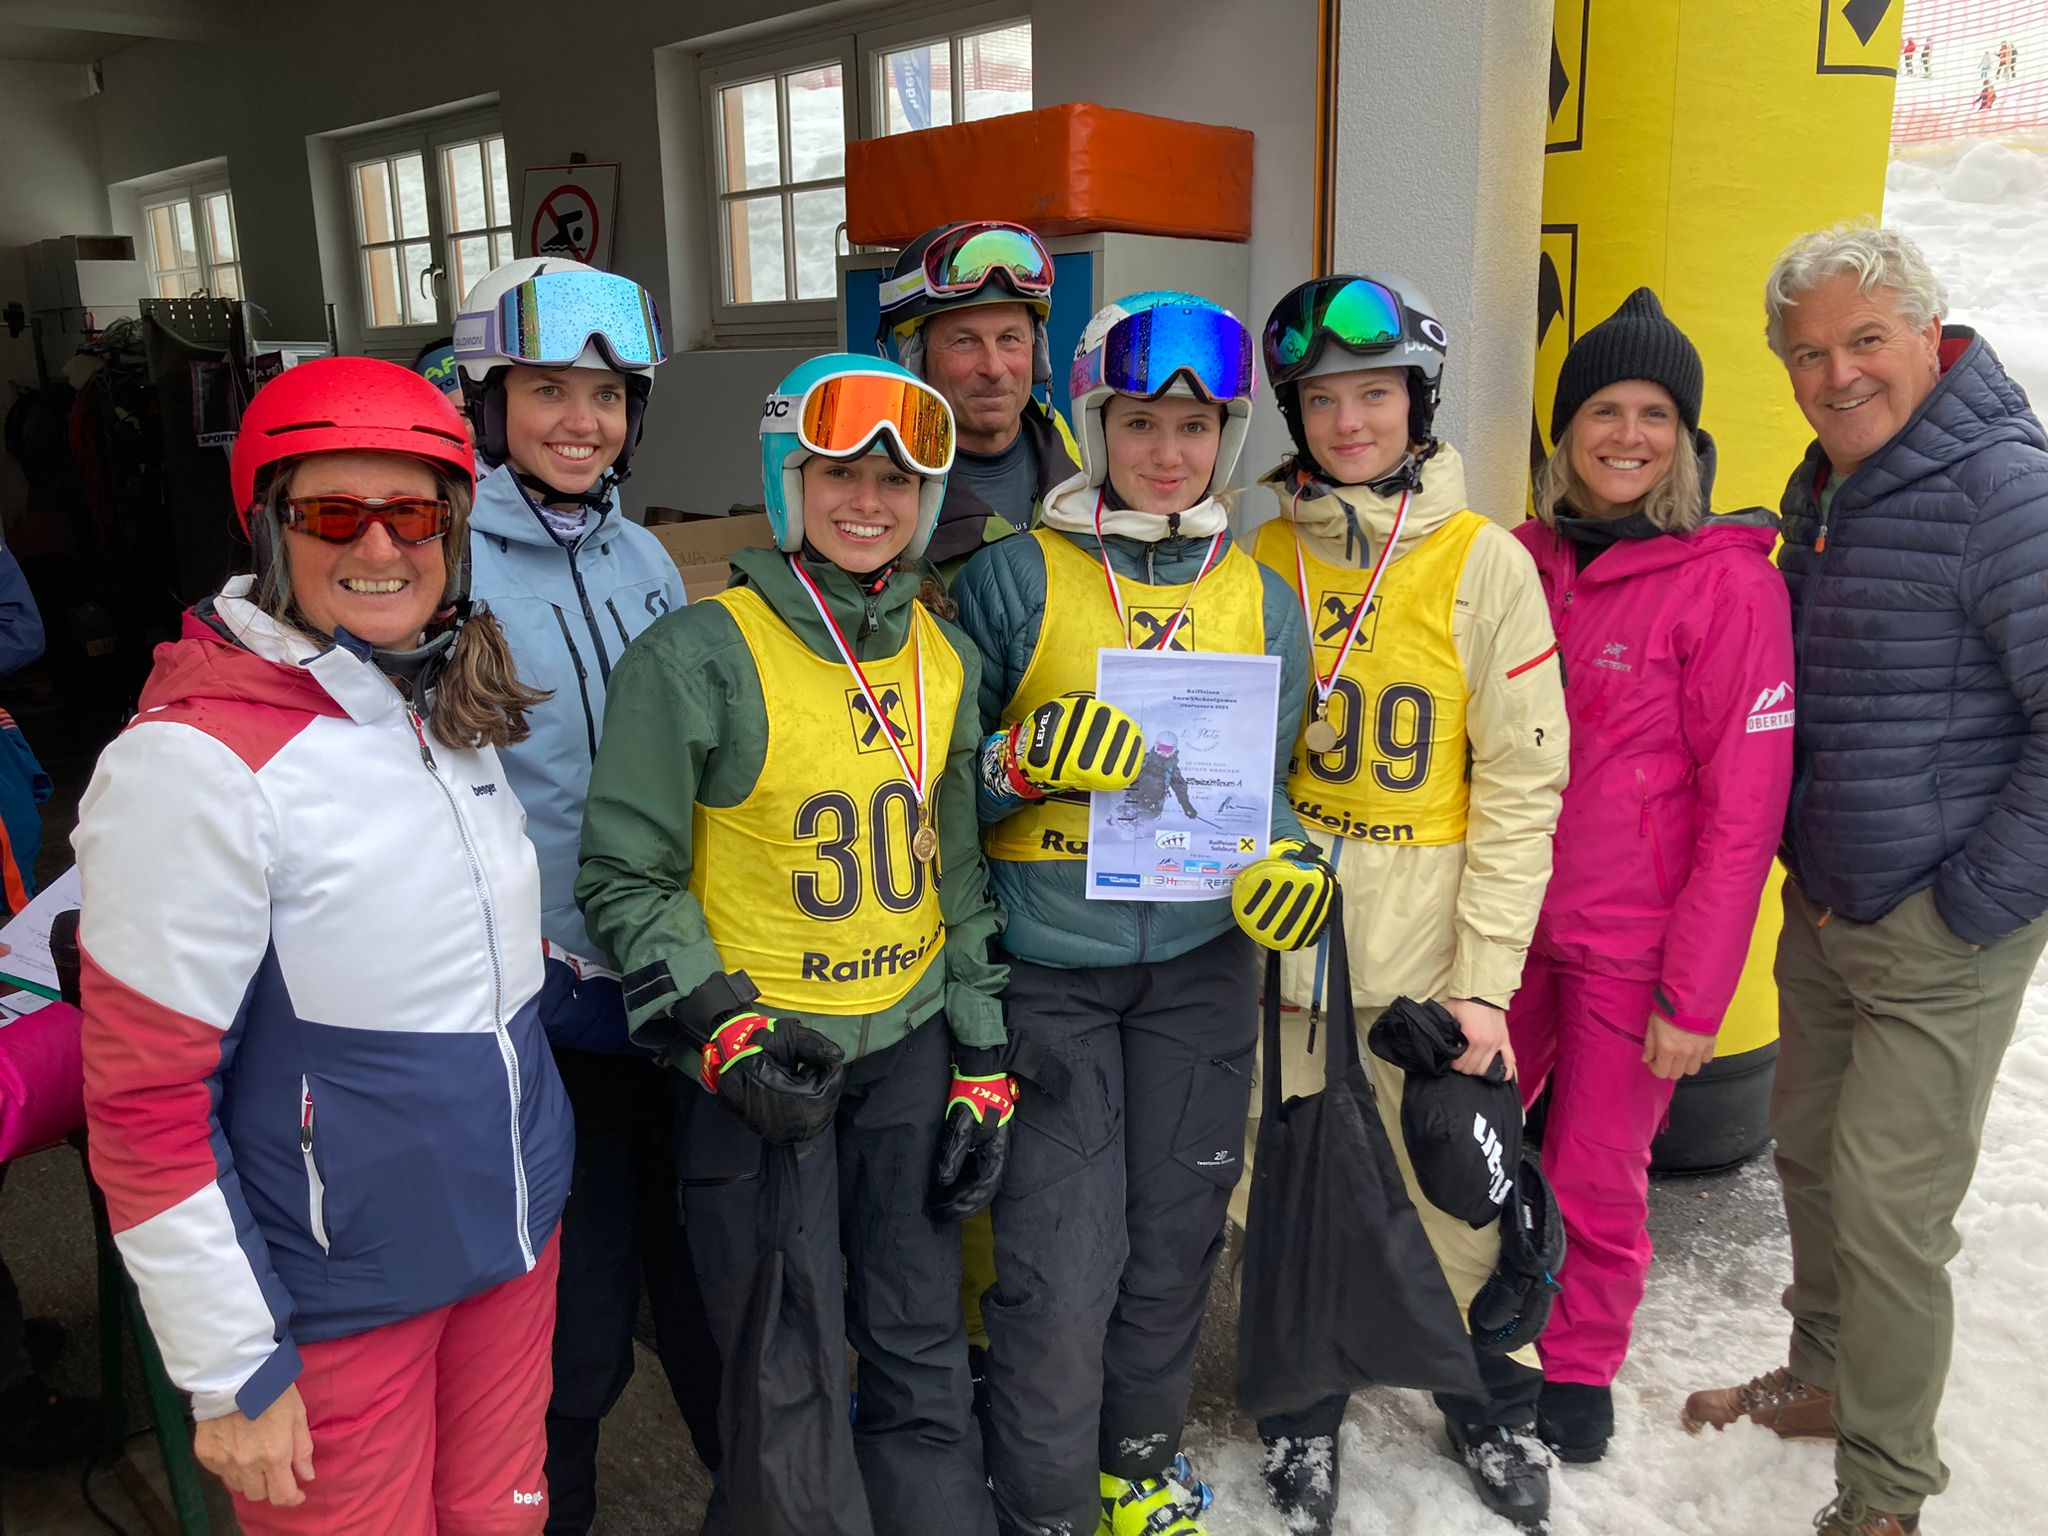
point(373, 195)
point(163, 252)
point(170, 286)
point(754, 239)
point(751, 142)
point(410, 172)
point(817, 216)
point(501, 250)
point(422, 306)
point(470, 260)
point(995, 72)
point(188, 244)
point(462, 171)
point(917, 88)
point(387, 303)
point(227, 281)
point(501, 199)
point(817, 123)
point(220, 226)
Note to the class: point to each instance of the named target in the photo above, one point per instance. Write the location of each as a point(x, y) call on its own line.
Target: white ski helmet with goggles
point(545, 312)
point(1163, 343)
point(962, 266)
point(1349, 322)
point(844, 406)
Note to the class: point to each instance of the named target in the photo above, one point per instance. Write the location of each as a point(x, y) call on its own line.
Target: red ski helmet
point(345, 405)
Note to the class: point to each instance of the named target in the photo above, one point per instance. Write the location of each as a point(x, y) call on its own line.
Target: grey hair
point(1875, 256)
point(1675, 504)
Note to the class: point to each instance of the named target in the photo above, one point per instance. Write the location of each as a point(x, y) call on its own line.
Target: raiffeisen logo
point(888, 960)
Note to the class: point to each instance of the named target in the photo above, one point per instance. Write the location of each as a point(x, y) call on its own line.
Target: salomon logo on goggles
point(962, 260)
point(1358, 314)
point(840, 417)
point(339, 519)
point(548, 320)
point(1145, 352)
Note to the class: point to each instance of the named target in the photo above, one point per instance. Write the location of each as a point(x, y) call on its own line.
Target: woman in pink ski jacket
point(1675, 633)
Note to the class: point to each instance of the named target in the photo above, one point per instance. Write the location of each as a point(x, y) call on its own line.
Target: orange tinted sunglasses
point(339, 519)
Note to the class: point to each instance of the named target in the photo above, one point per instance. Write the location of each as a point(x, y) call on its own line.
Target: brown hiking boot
point(1850, 1516)
point(1779, 1401)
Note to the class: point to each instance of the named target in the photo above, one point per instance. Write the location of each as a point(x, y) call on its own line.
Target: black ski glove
point(974, 1143)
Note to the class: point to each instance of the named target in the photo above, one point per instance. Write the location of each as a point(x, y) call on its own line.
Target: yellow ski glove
point(1283, 899)
point(1073, 743)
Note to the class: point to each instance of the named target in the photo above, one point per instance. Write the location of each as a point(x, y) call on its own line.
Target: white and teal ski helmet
point(783, 451)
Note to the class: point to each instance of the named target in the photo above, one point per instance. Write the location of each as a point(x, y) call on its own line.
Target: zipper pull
point(1315, 1018)
point(306, 1122)
point(420, 735)
point(1643, 789)
point(1821, 541)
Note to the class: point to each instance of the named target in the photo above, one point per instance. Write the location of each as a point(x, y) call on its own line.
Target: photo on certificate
point(1201, 807)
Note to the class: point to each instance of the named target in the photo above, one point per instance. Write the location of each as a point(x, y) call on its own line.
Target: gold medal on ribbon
point(1320, 736)
point(924, 842)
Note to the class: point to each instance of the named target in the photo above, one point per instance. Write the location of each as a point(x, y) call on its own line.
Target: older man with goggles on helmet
point(967, 305)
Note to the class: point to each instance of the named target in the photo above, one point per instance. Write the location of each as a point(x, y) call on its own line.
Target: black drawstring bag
point(1341, 1287)
point(789, 1467)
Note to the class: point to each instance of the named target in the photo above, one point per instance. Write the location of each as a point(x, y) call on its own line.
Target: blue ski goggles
point(1145, 352)
point(548, 320)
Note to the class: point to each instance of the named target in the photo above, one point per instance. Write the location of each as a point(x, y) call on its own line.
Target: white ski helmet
point(1163, 343)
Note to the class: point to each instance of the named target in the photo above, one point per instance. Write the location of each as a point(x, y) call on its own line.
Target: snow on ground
point(1980, 211)
point(1712, 1318)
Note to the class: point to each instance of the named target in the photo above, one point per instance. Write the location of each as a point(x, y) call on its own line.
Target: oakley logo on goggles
point(841, 417)
point(547, 321)
point(963, 260)
point(1144, 353)
point(1359, 315)
point(339, 519)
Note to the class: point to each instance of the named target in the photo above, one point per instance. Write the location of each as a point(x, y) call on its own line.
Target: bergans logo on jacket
point(320, 1096)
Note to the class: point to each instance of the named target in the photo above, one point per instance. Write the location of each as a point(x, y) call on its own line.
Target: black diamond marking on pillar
point(1560, 82)
point(1866, 16)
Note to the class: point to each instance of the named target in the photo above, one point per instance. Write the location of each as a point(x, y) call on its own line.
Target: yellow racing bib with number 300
point(809, 885)
point(1397, 773)
point(1228, 613)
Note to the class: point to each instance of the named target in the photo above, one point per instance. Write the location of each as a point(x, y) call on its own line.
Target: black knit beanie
point(1635, 342)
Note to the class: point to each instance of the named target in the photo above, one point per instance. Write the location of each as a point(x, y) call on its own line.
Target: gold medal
point(1320, 736)
point(924, 842)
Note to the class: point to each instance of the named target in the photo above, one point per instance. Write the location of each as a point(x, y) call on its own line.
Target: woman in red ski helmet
point(331, 1136)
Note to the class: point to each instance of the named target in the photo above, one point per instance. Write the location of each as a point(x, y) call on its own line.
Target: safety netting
point(1971, 68)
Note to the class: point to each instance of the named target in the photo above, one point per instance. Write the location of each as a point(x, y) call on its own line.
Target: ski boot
point(1510, 1472)
point(1575, 1419)
point(1301, 1479)
point(1169, 1505)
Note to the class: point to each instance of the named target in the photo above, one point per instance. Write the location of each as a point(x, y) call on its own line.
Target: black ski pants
point(621, 1225)
point(1110, 1221)
point(889, 1274)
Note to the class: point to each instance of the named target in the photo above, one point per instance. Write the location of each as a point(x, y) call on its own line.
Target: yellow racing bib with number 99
point(1397, 773)
point(809, 884)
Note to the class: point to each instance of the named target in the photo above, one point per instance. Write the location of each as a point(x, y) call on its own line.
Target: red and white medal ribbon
point(1116, 597)
point(1325, 682)
point(924, 843)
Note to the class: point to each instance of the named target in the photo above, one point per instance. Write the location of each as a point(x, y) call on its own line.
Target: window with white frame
point(777, 126)
point(192, 244)
point(432, 212)
point(957, 78)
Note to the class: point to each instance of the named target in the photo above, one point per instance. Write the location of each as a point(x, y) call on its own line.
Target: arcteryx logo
point(1765, 714)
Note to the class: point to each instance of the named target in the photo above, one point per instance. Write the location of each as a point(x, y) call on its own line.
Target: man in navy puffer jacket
point(1916, 548)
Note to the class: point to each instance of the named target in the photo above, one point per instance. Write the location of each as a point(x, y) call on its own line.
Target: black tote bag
point(1341, 1287)
point(789, 1468)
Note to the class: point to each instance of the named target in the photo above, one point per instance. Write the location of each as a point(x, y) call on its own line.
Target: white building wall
point(626, 91)
point(1440, 178)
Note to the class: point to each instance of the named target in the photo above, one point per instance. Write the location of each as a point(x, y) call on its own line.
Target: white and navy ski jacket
point(317, 1090)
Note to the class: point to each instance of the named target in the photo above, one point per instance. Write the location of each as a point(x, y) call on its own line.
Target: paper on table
point(27, 934)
